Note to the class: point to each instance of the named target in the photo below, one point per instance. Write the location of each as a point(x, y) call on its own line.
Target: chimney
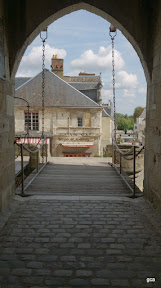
point(57, 65)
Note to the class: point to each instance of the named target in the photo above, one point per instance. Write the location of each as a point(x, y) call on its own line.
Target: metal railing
point(130, 155)
point(31, 151)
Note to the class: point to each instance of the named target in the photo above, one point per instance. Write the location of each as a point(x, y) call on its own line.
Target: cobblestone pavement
point(69, 243)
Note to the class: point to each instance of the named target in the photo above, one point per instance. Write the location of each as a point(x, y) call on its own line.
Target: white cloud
point(100, 62)
point(31, 64)
point(126, 81)
point(106, 95)
point(128, 94)
point(142, 90)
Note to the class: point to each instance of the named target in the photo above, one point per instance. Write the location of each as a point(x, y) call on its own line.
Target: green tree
point(125, 124)
point(137, 112)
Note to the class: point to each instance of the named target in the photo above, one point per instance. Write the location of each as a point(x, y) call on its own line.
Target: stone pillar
point(33, 160)
point(152, 182)
point(7, 159)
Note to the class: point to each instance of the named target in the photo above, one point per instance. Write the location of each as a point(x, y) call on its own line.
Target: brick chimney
point(57, 65)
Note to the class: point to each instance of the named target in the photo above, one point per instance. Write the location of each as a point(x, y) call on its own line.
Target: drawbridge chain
point(43, 84)
point(113, 30)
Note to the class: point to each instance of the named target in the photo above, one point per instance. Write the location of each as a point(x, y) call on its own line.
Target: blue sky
point(83, 40)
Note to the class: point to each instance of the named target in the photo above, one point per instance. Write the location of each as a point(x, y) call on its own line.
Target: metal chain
point(111, 30)
point(113, 84)
point(43, 86)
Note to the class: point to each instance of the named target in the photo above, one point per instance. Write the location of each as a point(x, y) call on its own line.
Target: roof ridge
point(85, 96)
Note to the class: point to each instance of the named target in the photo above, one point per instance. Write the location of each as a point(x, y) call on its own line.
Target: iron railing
point(30, 151)
point(130, 155)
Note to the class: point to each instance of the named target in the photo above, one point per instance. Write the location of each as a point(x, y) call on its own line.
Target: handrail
point(128, 153)
point(22, 147)
point(134, 153)
point(122, 152)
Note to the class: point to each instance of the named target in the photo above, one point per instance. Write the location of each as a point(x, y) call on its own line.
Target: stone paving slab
point(80, 243)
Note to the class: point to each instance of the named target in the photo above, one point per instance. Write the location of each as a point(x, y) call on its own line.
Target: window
point(80, 122)
point(33, 120)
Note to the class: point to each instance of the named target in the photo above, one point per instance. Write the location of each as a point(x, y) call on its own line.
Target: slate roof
point(104, 113)
point(20, 81)
point(107, 111)
point(84, 85)
point(58, 93)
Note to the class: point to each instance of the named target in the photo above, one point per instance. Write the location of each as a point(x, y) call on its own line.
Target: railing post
point(37, 161)
point(134, 168)
point(46, 152)
point(22, 169)
point(120, 163)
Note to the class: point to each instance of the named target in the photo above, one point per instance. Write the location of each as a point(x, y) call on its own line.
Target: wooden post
point(22, 169)
point(134, 168)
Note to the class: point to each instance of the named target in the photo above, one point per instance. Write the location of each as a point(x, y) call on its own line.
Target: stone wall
point(7, 164)
point(140, 23)
point(106, 133)
point(152, 183)
point(62, 125)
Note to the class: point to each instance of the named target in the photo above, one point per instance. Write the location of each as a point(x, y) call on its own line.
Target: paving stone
point(4, 264)
point(107, 240)
point(99, 282)
point(105, 273)
point(117, 246)
point(46, 258)
point(34, 265)
point(77, 251)
point(54, 281)
point(87, 258)
point(33, 280)
point(16, 264)
point(95, 265)
point(125, 247)
point(78, 282)
point(41, 272)
point(4, 271)
point(120, 282)
point(21, 271)
point(63, 273)
point(41, 251)
point(84, 245)
point(68, 258)
point(95, 252)
point(75, 240)
point(113, 252)
point(83, 273)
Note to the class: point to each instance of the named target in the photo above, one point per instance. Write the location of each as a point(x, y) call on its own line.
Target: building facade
point(72, 121)
point(139, 127)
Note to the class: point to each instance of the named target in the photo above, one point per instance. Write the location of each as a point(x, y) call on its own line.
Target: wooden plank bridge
point(82, 177)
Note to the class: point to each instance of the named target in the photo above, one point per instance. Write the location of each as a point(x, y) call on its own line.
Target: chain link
point(113, 83)
point(43, 88)
point(111, 30)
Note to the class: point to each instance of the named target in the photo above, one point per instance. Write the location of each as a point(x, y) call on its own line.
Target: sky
point(82, 39)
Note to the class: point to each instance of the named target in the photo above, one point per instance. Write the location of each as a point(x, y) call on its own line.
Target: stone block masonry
point(116, 246)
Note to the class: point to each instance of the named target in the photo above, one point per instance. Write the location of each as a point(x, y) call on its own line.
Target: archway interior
point(82, 39)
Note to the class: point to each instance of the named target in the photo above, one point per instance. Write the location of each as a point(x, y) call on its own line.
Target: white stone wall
point(63, 122)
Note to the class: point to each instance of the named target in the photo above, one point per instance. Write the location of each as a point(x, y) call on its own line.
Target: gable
point(57, 93)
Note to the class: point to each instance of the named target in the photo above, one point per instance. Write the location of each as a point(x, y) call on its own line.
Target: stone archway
point(90, 8)
point(139, 22)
